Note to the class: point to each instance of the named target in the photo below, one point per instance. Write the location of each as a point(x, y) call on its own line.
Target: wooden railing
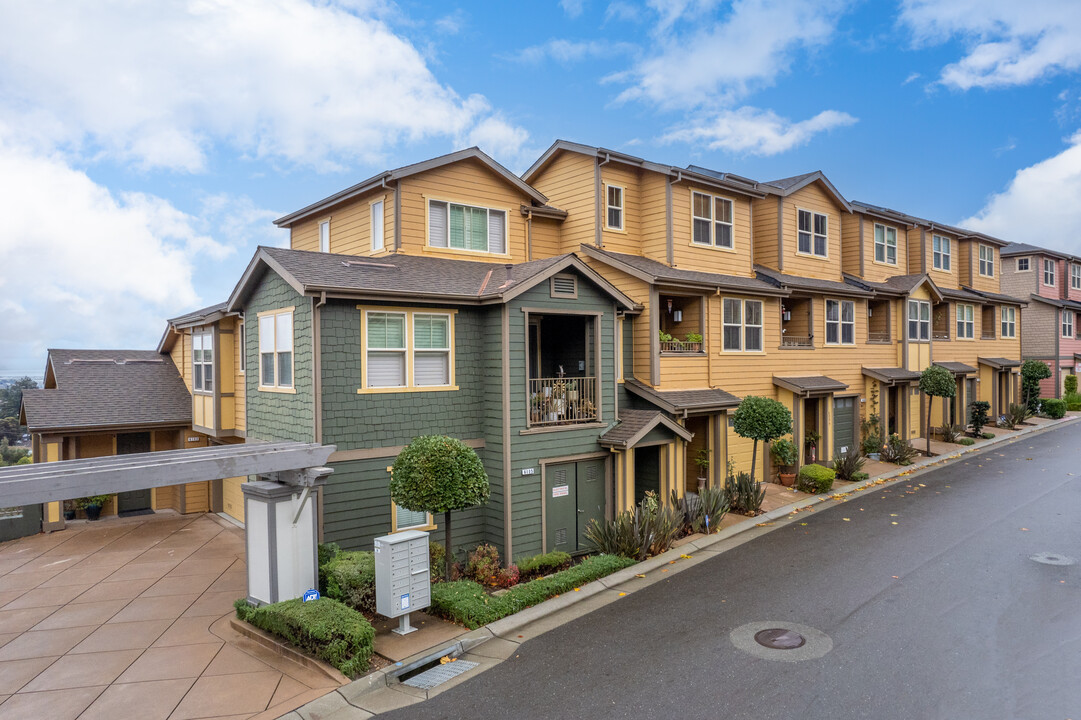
point(878, 336)
point(940, 335)
point(680, 346)
point(562, 401)
point(797, 341)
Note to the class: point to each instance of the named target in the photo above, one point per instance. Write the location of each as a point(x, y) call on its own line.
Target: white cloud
point(573, 8)
point(1007, 42)
point(161, 85)
point(716, 61)
point(453, 23)
point(620, 10)
point(1040, 204)
point(752, 131)
point(570, 51)
point(506, 143)
point(912, 77)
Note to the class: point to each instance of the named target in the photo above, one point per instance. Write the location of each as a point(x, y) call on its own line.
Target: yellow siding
point(233, 497)
point(637, 290)
point(629, 240)
point(92, 446)
point(850, 242)
point(965, 257)
point(815, 199)
point(681, 372)
point(915, 253)
point(546, 238)
point(239, 384)
point(568, 183)
point(350, 225)
point(981, 282)
point(764, 211)
point(471, 183)
point(690, 256)
point(181, 355)
point(654, 236)
point(197, 497)
point(872, 269)
point(944, 278)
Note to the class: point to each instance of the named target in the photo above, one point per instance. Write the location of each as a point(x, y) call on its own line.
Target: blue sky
point(144, 150)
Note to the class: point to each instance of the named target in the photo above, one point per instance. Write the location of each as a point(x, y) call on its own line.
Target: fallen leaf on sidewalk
point(847, 519)
point(671, 562)
point(575, 589)
point(1025, 529)
point(893, 523)
point(685, 557)
point(640, 575)
point(765, 524)
point(664, 570)
point(895, 577)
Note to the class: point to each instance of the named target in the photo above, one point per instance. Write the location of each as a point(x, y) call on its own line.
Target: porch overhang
point(684, 401)
point(957, 368)
point(809, 385)
point(892, 375)
point(999, 363)
point(637, 424)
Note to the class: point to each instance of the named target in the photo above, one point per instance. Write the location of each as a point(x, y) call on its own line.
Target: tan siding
point(872, 269)
point(350, 225)
point(197, 497)
point(991, 284)
point(546, 238)
point(654, 234)
point(850, 241)
point(233, 497)
point(92, 446)
point(914, 252)
point(815, 199)
point(181, 355)
point(965, 258)
point(568, 183)
point(709, 259)
point(637, 290)
point(764, 211)
point(944, 278)
point(629, 240)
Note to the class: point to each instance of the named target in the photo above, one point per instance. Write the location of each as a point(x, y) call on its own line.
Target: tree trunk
point(446, 544)
point(930, 401)
point(754, 457)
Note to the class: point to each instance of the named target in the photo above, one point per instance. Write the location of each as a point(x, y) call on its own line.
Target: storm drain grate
point(779, 639)
point(439, 674)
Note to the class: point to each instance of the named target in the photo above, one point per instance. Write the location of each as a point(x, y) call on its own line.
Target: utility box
point(403, 580)
point(281, 532)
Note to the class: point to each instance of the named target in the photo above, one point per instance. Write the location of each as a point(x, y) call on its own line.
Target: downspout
point(529, 235)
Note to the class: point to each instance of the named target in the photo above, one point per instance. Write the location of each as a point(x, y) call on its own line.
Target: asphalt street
point(927, 591)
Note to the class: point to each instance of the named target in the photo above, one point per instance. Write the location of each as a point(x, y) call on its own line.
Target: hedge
point(545, 564)
point(466, 603)
point(324, 628)
point(1054, 408)
point(815, 479)
point(350, 578)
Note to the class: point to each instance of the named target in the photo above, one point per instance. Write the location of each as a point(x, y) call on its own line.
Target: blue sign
point(312, 594)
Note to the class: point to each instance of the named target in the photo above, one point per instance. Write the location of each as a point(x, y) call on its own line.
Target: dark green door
point(647, 472)
point(844, 424)
point(134, 501)
point(970, 397)
point(574, 495)
point(17, 522)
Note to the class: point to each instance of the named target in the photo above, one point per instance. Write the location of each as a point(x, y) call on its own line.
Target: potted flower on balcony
point(92, 505)
point(784, 454)
point(694, 342)
point(810, 441)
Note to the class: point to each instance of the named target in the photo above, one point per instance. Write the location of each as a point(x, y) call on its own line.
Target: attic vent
point(565, 286)
point(133, 361)
point(374, 266)
point(91, 361)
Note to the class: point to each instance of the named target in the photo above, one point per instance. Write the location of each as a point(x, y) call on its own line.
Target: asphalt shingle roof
point(631, 422)
point(999, 363)
point(795, 282)
point(102, 388)
point(998, 297)
point(810, 383)
point(957, 368)
point(898, 284)
point(679, 400)
point(199, 314)
point(892, 374)
point(661, 272)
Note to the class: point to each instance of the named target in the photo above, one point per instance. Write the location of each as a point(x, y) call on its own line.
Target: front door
point(647, 472)
point(134, 501)
point(970, 397)
point(844, 425)
point(574, 495)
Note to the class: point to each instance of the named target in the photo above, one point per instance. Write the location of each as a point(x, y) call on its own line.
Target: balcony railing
point(987, 336)
point(940, 335)
point(797, 341)
point(680, 346)
point(562, 401)
point(878, 336)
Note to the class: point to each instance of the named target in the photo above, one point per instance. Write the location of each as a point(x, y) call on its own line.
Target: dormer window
point(813, 233)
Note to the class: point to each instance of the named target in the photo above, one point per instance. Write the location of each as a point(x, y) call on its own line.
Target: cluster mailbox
point(402, 576)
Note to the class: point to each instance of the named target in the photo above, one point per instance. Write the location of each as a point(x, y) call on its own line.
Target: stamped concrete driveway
point(129, 618)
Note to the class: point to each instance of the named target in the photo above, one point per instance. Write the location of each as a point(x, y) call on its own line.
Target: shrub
point(783, 452)
point(979, 410)
point(350, 579)
point(1054, 408)
point(483, 568)
point(324, 628)
point(987, 436)
point(466, 603)
point(743, 494)
point(437, 558)
point(546, 564)
point(1073, 401)
point(98, 500)
point(950, 433)
point(846, 466)
point(935, 381)
point(326, 553)
point(649, 530)
point(966, 441)
point(1070, 384)
point(701, 512)
point(898, 451)
point(815, 479)
point(1032, 372)
point(860, 477)
point(759, 418)
point(1017, 414)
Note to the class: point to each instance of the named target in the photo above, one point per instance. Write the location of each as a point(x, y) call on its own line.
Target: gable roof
point(108, 389)
point(203, 316)
point(961, 233)
point(410, 277)
point(998, 363)
point(809, 384)
point(891, 375)
point(897, 285)
point(636, 424)
point(656, 272)
point(798, 283)
point(1014, 249)
point(997, 297)
point(680, 400)
point(957, 368)
point(379, 180)
point(786, 186)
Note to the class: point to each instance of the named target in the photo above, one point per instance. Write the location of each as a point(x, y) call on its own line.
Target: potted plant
point(69, 509)
point(92, 505)
point(784, 454)
point(572, 391)
point(810, 440)
point(701, 459)
point(694, 342)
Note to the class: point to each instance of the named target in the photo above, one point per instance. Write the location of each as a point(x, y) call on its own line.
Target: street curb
point(509, 625)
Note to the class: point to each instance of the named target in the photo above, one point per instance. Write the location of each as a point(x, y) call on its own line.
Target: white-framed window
point(941, 253)
point(1023, 264)
point(276, 349)
point(409, 519)
point(1049, 273)
point(378, 233)
point(324, 236)
point(813, 233)
point(1067, 323)
point(202, 360)
point(742, 325)
point(408, 349)
point(919, 320)
point(712, 220)
point(1075, 276)
point(966, 326)
point(465, 227)
point(987, 261)
point(613, 219)
point(1009, 321)
point(840, 322)
point(885, 244)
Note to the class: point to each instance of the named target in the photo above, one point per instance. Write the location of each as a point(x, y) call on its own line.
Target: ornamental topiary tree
point(439, 474)
point(760, 418)
point(935, 382)
point(1032, 372)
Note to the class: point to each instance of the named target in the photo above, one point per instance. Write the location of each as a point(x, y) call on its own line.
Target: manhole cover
point(1052, 559)
point(439, 674)
point(779, 639)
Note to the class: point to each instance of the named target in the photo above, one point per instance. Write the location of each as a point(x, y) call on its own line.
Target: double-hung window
point(840, 322)
point(1067, 323)
point(378, 241)
point(1049, 273)
point(386, 349)
point(885, 244)
point(614, 217)
point(1075, 276)
point(408, 349)
point(919, 320)
point(1022, 264)
point(987, 261)
point(276, 349)
point(966, 326)
point(941, 252)
point(712, 220)
point(431, 350)
point(812, 233)
point(202, 361)
point(464, 227)
point(742, 325)
point(1009, 322)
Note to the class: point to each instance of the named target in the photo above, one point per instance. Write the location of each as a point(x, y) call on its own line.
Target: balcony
point(562, 401)
point(879, 313)
point(682, 324)
point(797, 341)
point(940, 335)
point(797, 323)
point(680, 346)
point(878, 336)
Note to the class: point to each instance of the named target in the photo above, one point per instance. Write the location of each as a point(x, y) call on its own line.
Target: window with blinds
point(386, 349)
point(407, 349)
point(464, 227)
point(431, 350)
point(407, 519)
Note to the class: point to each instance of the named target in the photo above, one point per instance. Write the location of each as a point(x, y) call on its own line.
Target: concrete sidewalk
point(487, 646)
